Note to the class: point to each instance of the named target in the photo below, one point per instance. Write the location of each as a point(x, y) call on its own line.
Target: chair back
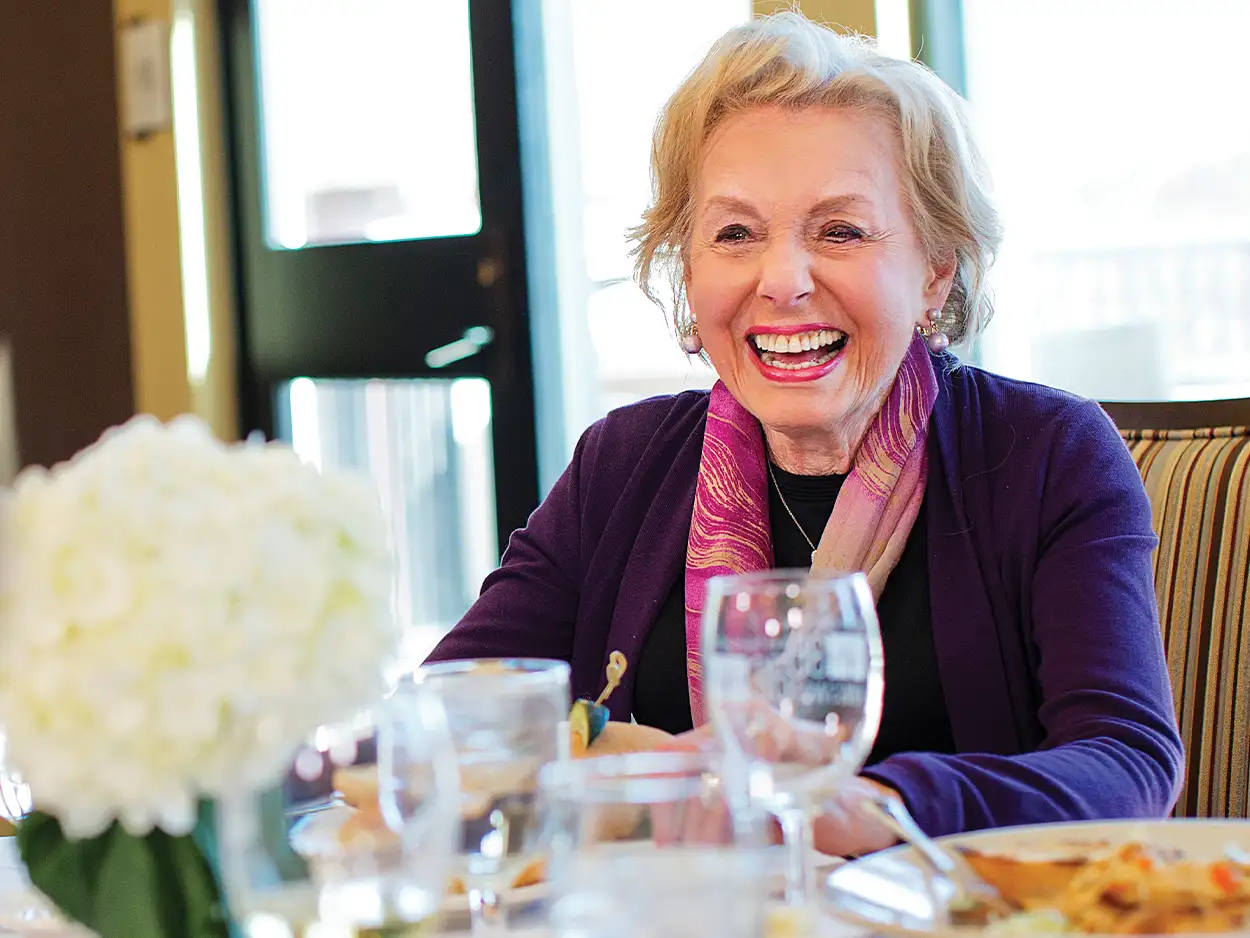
point(1194, 458)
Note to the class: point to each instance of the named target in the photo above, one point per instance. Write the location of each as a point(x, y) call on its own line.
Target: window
point(1121, 161)
point(353, 150)
point(611, 67)
point(427, 445)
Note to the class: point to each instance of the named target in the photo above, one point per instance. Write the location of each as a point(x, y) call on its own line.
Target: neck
point(816, 453)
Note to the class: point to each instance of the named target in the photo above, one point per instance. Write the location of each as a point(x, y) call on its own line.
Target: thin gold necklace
point(786, 506)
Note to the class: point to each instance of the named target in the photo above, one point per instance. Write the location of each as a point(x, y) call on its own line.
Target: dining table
point(25, 914)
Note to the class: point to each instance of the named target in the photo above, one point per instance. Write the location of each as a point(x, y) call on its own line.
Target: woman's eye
point(732, 233)
point(840, 234)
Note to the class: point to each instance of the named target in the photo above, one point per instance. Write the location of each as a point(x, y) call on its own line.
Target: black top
point(913, 717)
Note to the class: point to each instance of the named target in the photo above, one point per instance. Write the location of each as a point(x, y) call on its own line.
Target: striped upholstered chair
point(1195, 461)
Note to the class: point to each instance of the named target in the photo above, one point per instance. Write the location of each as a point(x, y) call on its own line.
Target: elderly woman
point(824, 217)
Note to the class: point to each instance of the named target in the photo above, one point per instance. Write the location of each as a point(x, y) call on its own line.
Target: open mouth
point(798, 351)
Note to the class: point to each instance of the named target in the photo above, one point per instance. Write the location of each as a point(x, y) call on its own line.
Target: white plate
point(892, 892)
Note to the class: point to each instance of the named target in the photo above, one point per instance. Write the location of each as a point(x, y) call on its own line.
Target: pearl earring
point(691, 344)
point(935, 333)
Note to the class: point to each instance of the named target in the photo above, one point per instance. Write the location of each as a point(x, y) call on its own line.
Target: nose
point(785, 273)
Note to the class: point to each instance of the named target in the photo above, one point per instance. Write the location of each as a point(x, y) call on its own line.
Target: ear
point(941, 276)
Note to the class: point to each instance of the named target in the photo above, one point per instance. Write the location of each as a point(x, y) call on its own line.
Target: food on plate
point(1024, 882)
point(357, 785)
point(364, 828)
point(532, 874)
point(1133, 889)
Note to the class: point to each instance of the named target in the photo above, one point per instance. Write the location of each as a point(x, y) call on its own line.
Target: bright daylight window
point(623, 61)
point(349, 153)
point(1116, 134)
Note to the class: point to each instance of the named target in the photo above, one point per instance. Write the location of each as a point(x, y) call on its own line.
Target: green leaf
point(129, 898)
point(171, 901)
point(156, 886)
point(202, 912)
point(63, 870)
point(35, 828)
point(205, 837)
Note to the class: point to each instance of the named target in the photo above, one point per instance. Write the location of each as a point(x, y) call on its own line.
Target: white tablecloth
point(18, 899)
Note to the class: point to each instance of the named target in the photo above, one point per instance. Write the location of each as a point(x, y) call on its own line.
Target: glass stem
point(486, 913)
point(796, 828)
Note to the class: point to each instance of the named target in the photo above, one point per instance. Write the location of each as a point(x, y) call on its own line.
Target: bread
point(365, 829)
point(357, 785)
point(531, 874)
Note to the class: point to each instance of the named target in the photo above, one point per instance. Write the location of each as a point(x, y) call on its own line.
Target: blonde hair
point(786, 60)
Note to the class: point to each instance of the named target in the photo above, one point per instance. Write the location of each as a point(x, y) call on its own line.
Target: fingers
point(692, 822)
point(700, 739)
point(845, 829)
point(621, 738)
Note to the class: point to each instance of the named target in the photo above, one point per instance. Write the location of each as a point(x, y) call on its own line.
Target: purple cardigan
point(1042, 596)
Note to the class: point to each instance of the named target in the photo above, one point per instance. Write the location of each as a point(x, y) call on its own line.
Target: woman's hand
point(845, 829)
point(621, 738)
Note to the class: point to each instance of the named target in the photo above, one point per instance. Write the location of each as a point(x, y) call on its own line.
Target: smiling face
point(805, 274)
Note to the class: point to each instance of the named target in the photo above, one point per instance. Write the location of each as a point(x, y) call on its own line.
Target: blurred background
point(391, 232)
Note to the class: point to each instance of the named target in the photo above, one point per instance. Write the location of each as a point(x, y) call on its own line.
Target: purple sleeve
point(1111, 746)
point(528, 607)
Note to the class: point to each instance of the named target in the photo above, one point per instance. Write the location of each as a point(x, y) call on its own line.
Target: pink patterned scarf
point(871, 520)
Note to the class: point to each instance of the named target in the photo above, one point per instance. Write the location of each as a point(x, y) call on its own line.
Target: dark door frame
point(389, 349)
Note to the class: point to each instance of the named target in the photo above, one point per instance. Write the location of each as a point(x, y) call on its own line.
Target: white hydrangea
point(177, 615)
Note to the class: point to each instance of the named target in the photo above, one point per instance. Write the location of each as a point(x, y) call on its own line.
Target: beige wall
point(857, 15)
point(153, 260)
point(153, 272)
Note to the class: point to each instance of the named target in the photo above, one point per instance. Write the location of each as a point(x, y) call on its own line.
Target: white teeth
point(801, 342)
point(773, 361)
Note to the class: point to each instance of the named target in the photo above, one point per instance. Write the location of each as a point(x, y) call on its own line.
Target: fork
point(972, 893)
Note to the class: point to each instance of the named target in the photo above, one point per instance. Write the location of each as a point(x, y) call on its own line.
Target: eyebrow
point(835, 203)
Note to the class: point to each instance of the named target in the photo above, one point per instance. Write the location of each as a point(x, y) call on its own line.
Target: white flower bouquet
point(176, 616)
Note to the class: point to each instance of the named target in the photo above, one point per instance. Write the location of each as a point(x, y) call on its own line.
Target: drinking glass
point(288, 871)
point(505, 718)
point(392, 884)
point(660, 844)
point(793, 683)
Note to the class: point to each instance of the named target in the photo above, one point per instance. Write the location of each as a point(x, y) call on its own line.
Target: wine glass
point(505, 718)
point(653, 844)
point(794, 680)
